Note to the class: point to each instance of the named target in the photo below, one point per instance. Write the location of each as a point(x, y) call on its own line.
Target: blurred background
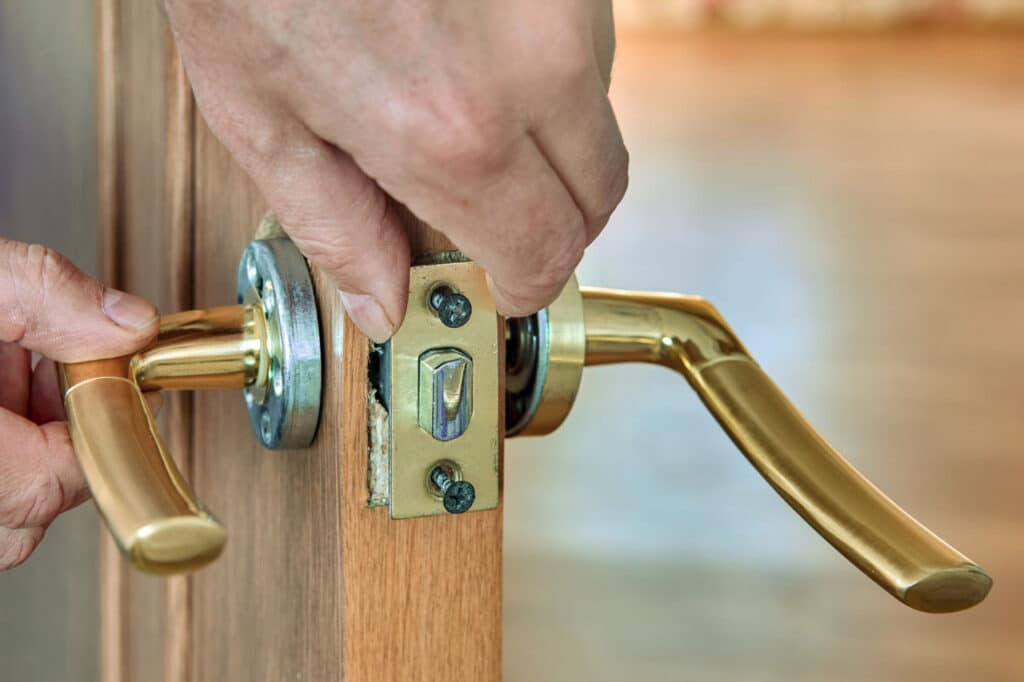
point(844, 179)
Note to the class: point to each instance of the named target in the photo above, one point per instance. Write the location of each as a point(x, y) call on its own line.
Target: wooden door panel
point(314, 581)
point(313, 584)
point(146, 248)
point(270, 607)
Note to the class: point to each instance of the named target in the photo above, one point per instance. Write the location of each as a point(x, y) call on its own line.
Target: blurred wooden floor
point(855, 207)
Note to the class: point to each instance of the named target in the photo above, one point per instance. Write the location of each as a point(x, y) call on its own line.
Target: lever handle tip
point(177, 544)
point(152, 513)
point(947, 590)
point(688, 335)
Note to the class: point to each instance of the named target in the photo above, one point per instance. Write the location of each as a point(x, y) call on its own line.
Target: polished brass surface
point(414, 451)
point(268, 345)
point(445, 393)
point(559, 366)
point(155, 518)
point(851, 204)
point(687, 334)
point(213, 348)
point(150, 510)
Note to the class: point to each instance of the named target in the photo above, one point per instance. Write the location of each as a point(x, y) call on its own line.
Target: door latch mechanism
point(437, 380)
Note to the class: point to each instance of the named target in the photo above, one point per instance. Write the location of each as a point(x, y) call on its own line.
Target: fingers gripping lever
point(268, 345)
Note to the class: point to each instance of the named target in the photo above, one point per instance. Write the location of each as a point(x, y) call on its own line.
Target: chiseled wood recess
point(422, 596)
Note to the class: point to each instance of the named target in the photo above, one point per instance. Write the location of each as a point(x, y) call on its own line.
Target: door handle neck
point(224, 347)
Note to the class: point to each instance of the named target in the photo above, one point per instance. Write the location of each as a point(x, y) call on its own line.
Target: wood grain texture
point(114, 615)
point(271, 606)
point(422, 596)
point(145, 185)
point(180, 175)
point(108, 168)
point(144, 255)
point(314, 583)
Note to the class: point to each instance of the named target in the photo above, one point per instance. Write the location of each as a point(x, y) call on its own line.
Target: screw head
point(459, 497)
point(453, 309)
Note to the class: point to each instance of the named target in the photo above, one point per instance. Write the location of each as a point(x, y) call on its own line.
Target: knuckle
point(47, 269)
point(37, 273)
point(34, 504)
point(620, 179)
point(460, 136)
point(17, 546)
point(541, 286)
point(238, 132)
point(561, 262)
point(339, 245)
point(253, 137)
point(329, 251)
point(617, 182)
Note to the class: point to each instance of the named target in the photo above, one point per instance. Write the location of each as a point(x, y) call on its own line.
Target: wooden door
point(313, 585)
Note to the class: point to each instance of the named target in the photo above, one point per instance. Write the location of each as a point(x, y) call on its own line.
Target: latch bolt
point(445, 393)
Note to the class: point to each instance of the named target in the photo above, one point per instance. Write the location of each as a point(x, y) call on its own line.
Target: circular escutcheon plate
point(284, 413)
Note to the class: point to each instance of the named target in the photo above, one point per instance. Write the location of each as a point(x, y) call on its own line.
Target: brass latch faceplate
point(439, 384)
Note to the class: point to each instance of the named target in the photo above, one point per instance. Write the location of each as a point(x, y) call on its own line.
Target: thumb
point(49, 306)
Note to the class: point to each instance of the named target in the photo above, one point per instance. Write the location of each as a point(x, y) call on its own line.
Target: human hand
point(489, 121)
point(49, 306)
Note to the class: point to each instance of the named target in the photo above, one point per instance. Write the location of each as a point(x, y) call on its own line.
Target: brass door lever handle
point(154, 515)
point(268, 345)
point(685, 333)
point(151, 511)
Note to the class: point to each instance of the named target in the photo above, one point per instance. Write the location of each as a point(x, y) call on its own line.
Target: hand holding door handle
point(268, 345)
point(686, 334)
point(151, 511)
point(50, 307)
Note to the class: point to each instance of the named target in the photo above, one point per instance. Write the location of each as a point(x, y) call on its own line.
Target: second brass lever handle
point(687, 334)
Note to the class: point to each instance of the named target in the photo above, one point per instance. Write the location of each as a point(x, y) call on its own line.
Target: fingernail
point(368, 315)
point(127, 310)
